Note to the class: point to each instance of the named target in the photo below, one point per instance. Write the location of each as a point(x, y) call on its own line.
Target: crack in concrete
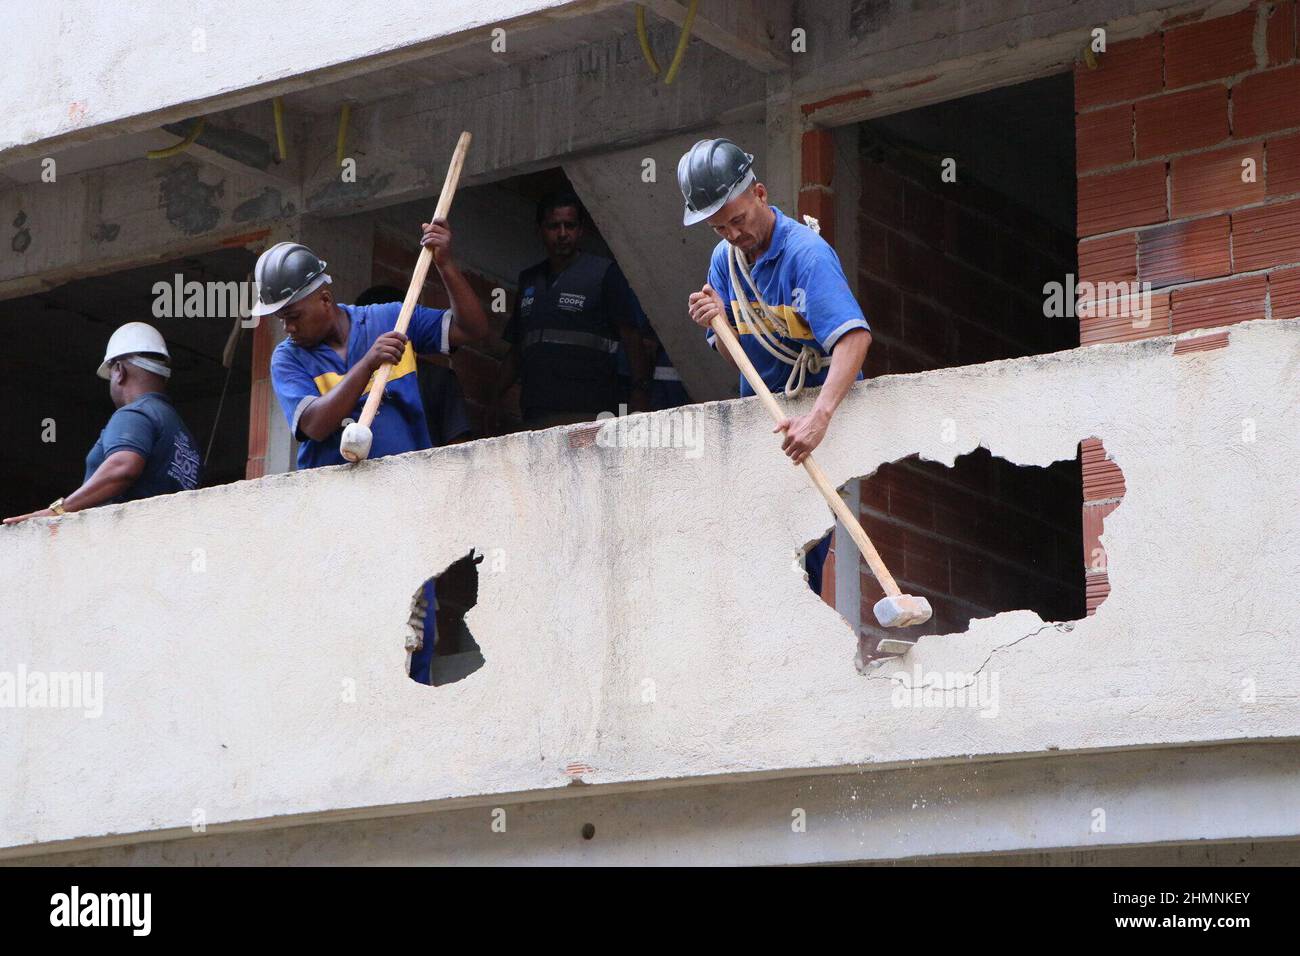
point(1060, 626)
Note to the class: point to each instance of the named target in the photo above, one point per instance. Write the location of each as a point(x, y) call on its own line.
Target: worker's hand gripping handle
point(727, 336)
point(413, 291)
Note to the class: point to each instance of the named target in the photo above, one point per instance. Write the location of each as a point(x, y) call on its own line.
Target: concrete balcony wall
point(642, 619)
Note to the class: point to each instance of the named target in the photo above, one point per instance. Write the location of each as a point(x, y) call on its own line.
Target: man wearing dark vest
point(572, 311)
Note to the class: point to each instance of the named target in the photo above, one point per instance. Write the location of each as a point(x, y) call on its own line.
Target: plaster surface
point(79, 64)
point(640, 611)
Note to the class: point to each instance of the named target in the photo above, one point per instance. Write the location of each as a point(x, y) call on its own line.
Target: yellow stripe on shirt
point(799, 329)
point(327, 380)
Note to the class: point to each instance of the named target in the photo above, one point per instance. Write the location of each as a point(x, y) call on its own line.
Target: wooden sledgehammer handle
point(722, 329)
point(413, 291)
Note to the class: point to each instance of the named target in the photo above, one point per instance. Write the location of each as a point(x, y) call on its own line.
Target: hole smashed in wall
point(440, 648)
point(976, 539)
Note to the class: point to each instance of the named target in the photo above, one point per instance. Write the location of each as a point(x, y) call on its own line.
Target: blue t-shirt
point(300, 375)
point(150, 427)
point(800, 278)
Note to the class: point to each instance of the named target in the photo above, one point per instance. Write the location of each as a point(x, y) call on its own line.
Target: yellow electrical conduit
point(183, 145)
point(277, 106)
point(682, 42)
point(345, 114)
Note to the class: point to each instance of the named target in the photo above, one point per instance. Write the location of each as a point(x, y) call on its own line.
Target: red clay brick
point(925, 561)
point(1127, 70)
point(1284, 293)
point(1210, 50)
point(1201, 343)
point(1181, 121)
point(1094, 517)
point(1280, 37)
point(1212, 182)
point(259, 407)
point(1098, 589)
point(1102, 478)
point(1123, 320)
point(1283, 165)
point(910, 503)
point(1266, 236)
point(1131, 197)
point(1105, 137)
point(818, 157)
point(1219, 303)
point(1113, 259)
point(820, 204)
point(923, 215)
point(882, 193)
point(1268, 101)
point(1184, 251)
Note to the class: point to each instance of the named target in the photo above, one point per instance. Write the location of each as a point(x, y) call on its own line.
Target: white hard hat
point(131, 339)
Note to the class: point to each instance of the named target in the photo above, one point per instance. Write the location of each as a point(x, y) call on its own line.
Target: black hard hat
point(712, 173)
point(286, 273)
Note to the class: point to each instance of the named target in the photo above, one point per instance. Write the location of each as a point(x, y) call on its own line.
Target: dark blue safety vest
point(566, 329)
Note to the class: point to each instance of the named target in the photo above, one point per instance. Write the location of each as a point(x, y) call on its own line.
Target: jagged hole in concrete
point(455, 653)
point(981, 537)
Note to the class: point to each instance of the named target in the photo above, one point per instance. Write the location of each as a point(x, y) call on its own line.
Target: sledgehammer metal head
point(355, 443)
point(902, 611)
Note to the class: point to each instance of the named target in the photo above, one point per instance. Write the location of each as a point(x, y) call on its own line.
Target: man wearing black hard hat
point(322, 372)
point(782, 288)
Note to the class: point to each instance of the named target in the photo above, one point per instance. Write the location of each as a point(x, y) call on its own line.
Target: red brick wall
point(1164, 124)
point(981, 537)
point(951, 273)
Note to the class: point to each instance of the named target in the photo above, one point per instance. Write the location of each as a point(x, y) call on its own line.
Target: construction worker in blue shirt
point(145, 449)
point(323, 370)
point(783, 289)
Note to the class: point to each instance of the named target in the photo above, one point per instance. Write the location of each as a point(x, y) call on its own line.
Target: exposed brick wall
point(981, 537)
point(261, 399)
point(1165, 125)
point(951, 273)
point(476, 366)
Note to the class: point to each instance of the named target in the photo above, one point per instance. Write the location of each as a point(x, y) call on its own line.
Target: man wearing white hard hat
point(145, 449)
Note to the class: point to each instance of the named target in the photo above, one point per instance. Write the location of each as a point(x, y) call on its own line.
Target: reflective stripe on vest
point(586, 340)
point(666, 373)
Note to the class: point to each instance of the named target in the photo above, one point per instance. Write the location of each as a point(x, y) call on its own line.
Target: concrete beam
point(117, 217)
point(869, 60)
point(1154, 800)
point(83, 70)
point(595, 98)
point(755, 32)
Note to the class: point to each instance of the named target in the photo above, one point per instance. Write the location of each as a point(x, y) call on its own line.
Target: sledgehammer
point(895, 609)
point(355, 443)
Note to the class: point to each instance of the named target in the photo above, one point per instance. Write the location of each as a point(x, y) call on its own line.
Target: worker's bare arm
point(640, 363)
point(506, 378)
point(471, 323)
point(704, 305)
point(118, 472)
point(324, 415)
point(803, 433)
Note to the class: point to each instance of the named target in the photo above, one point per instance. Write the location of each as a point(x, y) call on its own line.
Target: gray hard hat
point(711, 174)
point(286, 273)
